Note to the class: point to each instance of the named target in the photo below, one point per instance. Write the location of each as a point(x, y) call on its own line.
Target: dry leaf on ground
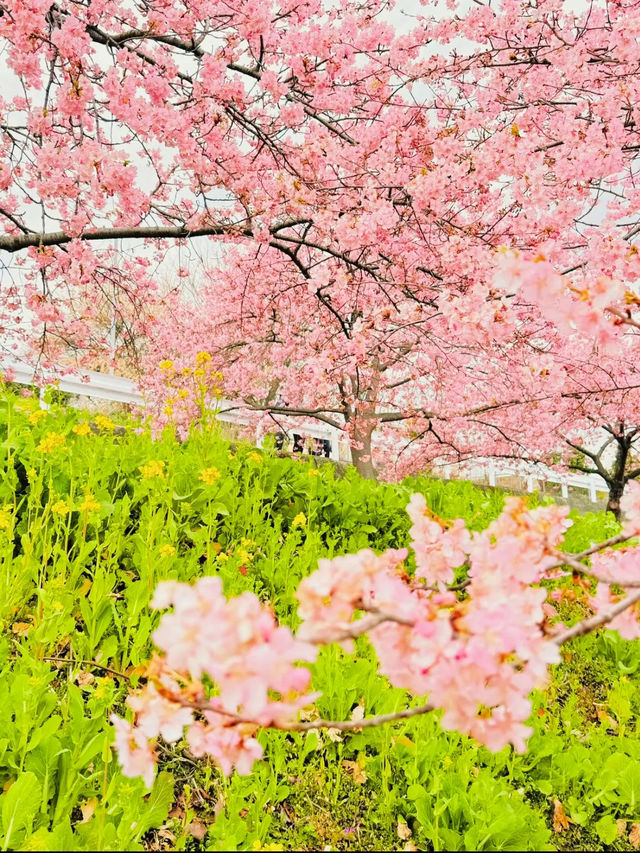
point(356, 771)
point(560, 819)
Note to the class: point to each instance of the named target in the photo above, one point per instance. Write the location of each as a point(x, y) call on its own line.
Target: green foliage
point(91, 520)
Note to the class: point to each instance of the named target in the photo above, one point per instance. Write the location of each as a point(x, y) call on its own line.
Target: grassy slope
point(75, 586)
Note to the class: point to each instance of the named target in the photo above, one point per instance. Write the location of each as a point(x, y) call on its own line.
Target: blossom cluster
point(237, 645)
point(476, 650)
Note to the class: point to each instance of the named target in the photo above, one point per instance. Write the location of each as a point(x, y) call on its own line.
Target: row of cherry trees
point(406, 323)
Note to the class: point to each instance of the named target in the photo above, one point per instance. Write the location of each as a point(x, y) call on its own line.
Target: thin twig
point(360, 627)
point(614, 540)
point(366, 723)
point(588, 625)
point(89, 663)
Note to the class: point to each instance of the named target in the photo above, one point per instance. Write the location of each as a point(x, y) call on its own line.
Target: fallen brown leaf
point(356, 771)
point(634, 835)
point(88, 809)
point(560, 819)
point(197, 829)
point(404, 833)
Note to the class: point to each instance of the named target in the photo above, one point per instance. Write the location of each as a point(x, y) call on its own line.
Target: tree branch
point(588, 625)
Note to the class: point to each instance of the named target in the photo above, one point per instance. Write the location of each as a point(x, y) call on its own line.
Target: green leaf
point(628, 787)
point(19, 805)
point(139, 817)
point(607, 829)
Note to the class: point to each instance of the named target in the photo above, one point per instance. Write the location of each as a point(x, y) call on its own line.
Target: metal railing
point(491, 471)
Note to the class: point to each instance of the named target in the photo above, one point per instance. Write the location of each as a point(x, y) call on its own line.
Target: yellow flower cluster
point(6, 517)
point(104, 423)
point(254, 457)
point(82, 429)
point(167, 364)
point(202, 358)
point(258, 845)
point(299, 521)
point(89, 504)
point(60, 507)
point(167, 551)
point(36, 417)
point(51, 442)
point(244, 551)
point(153, 468)
point(209, 476)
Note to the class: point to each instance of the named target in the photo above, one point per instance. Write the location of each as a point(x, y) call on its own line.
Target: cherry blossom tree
point(546, 400)
point(365, 158)
point(399, 261)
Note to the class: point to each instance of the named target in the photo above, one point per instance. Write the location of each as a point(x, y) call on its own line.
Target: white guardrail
point(491, 471)
point(105, 386)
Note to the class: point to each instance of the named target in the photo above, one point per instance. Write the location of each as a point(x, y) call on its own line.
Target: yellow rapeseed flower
point(82, 429)
point(60, 507)
point(202, 358)
point(103, 422)
point(167, 364)
point(255, 457)
point(199, 372)
point(243, 555)
point(153, 468)
point(299, 521)
point(209, 476)
point(313, 472)
point(51, 442)
point(89, 504)
point(183, 393)
point(6, 517)
point(36, 417)
point(167, 551)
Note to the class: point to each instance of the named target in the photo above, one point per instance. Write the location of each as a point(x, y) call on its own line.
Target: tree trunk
point(361, 456)
point(617, 482)
point(616, 489)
